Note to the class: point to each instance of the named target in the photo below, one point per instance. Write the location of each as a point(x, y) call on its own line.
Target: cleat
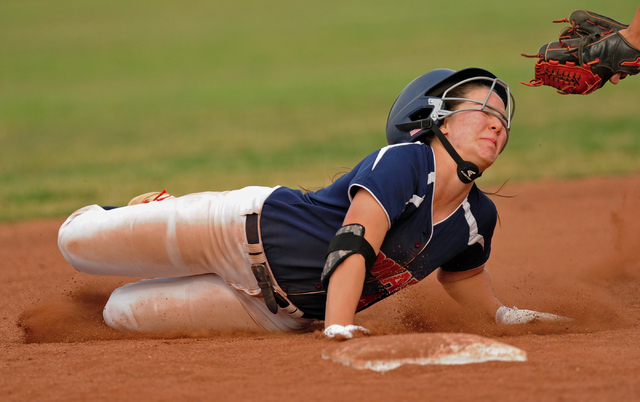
point(149, 197)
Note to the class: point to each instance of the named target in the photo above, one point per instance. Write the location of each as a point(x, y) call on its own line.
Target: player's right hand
point(511, 316)
point(337, 331)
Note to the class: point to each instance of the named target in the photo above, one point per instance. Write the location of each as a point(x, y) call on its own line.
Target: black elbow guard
point(348, 240)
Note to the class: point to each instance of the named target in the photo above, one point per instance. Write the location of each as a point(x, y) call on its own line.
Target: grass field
point(102, 100)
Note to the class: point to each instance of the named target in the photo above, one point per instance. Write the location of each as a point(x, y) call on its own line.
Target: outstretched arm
point(472, 290)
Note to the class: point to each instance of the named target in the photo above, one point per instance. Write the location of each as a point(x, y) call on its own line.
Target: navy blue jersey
point(297, 228)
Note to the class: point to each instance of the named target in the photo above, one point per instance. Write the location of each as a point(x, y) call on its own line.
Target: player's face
point(477, 135)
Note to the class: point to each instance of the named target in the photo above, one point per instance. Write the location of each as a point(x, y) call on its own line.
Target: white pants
point(196, 244)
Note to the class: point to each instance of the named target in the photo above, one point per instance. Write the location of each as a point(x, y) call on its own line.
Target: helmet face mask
point(492, 84)
point(426, 98)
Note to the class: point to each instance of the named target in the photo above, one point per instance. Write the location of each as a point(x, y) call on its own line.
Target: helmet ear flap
point(421, 114)
point(410, 103)
point(422, 135)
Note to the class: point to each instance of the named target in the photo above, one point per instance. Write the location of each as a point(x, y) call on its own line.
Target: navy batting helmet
point(423, 99)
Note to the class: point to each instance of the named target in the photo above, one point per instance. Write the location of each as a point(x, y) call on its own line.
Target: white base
point(384, 353)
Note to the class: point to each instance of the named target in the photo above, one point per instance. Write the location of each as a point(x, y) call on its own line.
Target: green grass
point(102, 100)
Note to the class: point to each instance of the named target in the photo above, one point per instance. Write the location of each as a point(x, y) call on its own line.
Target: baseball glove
point(585, 23)
point(586, 55)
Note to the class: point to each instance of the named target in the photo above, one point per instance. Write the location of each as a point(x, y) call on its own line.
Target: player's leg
point(203, 302)
point(190, 235)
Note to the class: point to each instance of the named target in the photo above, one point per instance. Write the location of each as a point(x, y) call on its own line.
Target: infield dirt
point(566, 247)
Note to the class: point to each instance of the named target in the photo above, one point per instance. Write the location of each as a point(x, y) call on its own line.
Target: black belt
point(272, 298)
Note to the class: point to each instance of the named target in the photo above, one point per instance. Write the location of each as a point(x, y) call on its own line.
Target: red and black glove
point(586, 55)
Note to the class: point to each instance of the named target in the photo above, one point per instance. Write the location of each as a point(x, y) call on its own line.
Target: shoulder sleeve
point(481, 216)
point(394, 176)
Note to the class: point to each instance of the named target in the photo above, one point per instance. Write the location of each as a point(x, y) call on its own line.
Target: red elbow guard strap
point(348, 240)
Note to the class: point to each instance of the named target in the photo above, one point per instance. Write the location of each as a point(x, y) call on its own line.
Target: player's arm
point(471, 289)
point(631, 34)
point(347, 280)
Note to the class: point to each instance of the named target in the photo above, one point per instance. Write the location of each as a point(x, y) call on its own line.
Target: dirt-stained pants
point(195, 246)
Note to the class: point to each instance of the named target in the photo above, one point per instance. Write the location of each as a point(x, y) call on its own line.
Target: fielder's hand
point(587, 54)
point(344, 332)
point(510, 316)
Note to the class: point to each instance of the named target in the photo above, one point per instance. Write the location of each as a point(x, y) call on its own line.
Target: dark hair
point(462, 92)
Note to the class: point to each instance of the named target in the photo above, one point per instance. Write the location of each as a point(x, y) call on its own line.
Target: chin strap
point(467, 171)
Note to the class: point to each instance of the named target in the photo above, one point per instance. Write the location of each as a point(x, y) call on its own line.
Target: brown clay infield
point(566, 247)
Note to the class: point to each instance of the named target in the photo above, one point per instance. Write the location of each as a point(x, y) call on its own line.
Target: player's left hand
point(511, 316)
point(337, 331)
